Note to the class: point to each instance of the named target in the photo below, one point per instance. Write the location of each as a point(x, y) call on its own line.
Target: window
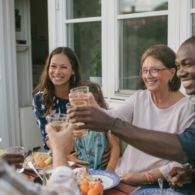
point(141, 25)
point(110, 36)
point(83, 29)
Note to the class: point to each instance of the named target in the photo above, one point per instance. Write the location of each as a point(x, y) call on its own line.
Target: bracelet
point(149, 178)
point(112, 124)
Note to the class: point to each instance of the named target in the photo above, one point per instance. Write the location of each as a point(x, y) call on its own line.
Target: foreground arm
point(159, 144)
point(62, 181)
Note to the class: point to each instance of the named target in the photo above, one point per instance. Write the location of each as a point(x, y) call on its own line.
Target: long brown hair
point(45, 83)
point(97, 92)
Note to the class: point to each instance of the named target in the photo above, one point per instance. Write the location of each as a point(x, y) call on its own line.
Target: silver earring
point(170, 80)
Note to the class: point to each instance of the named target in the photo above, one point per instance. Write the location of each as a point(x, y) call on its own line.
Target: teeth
point(187, 82)
point(58, 77)
point(151, 82)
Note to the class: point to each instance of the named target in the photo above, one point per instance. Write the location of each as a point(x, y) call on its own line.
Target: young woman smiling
point(61, 73)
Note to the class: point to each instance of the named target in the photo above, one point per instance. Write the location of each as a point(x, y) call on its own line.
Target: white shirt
point(140, 110)
point(62, 182)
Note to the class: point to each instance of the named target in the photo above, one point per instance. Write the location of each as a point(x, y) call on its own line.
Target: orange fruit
point(91, 187)
point(98, 187)
point(84, 183)
point(92, 192)
point(84, 189)
point(41, 164)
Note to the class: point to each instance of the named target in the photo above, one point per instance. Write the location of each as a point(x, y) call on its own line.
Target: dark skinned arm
point(159, 144)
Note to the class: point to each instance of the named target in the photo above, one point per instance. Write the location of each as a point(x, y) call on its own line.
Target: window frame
point(178, 31)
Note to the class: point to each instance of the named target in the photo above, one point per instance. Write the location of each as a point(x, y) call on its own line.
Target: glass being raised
point(78, 104)
point(80, 94)
point(58, 122)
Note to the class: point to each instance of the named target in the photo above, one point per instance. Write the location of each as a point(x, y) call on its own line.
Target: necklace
point(165, 100)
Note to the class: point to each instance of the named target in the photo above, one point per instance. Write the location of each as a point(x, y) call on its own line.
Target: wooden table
point(120, 189)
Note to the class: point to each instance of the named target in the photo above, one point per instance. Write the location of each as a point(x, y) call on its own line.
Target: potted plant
point(96, 64)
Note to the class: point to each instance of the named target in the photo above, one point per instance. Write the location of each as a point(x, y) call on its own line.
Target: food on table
point(41, 164)
point(91, 187)
point(48, 161)
point(84, 183)
point(92, 192)
point(99, 188)
point(84, 175)
point(84, 189)
point(38, 159)
point(27, 160)
point(87, 189)
point(39, 156)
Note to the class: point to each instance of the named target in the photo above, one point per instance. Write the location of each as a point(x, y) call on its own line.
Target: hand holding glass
point(17, 150)
point(78, 104)
point(58, 122)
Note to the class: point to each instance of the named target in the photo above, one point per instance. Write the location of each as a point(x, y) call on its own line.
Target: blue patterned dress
point(39, 109)
point(92, 147)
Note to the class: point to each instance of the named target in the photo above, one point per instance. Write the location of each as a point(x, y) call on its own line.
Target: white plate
point(109, 179)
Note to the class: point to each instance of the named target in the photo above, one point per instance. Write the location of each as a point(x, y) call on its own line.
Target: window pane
point(193, 3)
point(135, 37)
point(138, 6)
point(83, 8)
point(193, 24)
point(85, 40)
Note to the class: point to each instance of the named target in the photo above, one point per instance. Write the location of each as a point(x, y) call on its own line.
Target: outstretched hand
point(63, 140)
point(78, 163)
point(93, 118)
point(178, 176)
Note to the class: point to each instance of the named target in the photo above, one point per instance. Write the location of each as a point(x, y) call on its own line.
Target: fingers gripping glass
point(153, 72)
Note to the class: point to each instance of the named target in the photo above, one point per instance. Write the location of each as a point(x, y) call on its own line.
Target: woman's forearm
point(156, 174)
point(159, 144)
point(114, 156)
point(115, 152)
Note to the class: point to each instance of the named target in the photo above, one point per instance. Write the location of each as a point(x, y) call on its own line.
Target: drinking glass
point(58, 122)
point(78, 104)
point(47, 171)
point(80, 94)
point(16, 150)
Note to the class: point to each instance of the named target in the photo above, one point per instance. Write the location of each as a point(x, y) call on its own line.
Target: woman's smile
point(151, 83)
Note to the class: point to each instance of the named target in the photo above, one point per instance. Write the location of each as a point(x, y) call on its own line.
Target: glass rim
point(14, 147)
point(76, 89)
point(57, 114)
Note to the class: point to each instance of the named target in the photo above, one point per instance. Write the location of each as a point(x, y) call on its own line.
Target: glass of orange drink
point(80, 94)
point(78, 104)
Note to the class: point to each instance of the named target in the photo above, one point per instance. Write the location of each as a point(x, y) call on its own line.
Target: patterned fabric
point(62, 181)
point(39, 109)
point(92, 147)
